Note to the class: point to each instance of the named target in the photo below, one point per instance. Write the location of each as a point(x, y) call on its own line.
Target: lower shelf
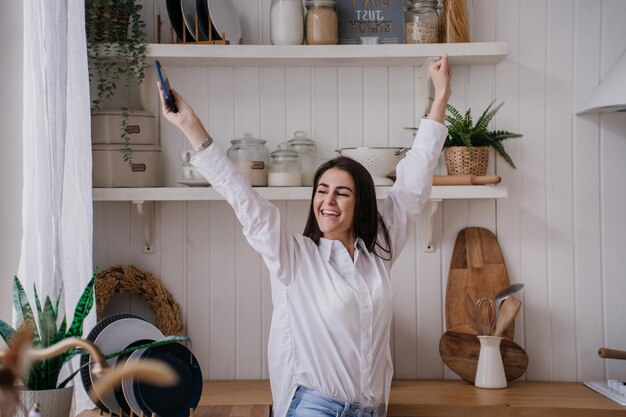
point(144, 199)
point(280, 193)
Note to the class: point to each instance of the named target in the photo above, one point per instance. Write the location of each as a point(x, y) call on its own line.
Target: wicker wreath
point(126, 279)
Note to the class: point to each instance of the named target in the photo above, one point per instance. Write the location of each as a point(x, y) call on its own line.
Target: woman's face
point(334, 204)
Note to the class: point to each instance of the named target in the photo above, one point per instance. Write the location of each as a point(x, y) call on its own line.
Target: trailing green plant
point(116, 46)
point(463, 132)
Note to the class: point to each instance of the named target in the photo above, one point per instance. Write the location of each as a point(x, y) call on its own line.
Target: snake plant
point(44, 374)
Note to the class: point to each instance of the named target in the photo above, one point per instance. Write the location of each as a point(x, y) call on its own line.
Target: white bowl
point(380, 162)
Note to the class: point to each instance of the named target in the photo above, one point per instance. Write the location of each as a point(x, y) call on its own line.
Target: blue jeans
point(309, 403)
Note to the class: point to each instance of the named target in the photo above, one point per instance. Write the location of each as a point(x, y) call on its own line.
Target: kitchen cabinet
point(483, 53)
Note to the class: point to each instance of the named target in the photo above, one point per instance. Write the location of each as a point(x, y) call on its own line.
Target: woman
point(328, 350)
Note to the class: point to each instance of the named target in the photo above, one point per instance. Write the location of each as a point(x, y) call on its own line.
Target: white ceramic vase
point(490, 371)
point(52, 402)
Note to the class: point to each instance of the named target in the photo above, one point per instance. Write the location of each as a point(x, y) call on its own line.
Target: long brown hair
point(367, 221)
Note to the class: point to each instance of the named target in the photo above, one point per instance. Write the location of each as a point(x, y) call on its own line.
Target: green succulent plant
point(463, 132)
point(44, 374)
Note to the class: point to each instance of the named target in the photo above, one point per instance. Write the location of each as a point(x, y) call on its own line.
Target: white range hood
point(610, 95)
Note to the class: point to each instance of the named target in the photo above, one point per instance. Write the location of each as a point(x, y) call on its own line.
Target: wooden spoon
point(508, 311)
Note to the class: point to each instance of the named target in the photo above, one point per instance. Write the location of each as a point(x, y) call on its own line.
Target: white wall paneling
point(534, 245)
point(561, 229)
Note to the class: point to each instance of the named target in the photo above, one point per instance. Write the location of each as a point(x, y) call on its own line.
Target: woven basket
point(460, 161)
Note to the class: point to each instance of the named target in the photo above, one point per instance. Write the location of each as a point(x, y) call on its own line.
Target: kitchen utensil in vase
point(502, 295)
point(506, 315)
point(486, 313)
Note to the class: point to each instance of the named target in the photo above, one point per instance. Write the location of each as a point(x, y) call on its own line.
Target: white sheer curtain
point(56, 204)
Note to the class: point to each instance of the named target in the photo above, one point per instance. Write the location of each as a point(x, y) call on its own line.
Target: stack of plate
point(122, 331)
point(182, 15)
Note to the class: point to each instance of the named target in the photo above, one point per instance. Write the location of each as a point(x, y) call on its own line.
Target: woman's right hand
point(185, 119)
point(440, 74)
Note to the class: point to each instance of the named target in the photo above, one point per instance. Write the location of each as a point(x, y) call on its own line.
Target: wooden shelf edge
point(476, 53)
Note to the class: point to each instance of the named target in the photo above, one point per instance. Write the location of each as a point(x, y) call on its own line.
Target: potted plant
point(116, 46)
point(42, 376)
point(41, 382)
point(467, 146)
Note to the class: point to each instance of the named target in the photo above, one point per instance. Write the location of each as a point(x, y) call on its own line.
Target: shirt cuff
point(213, 164)
point(430, 135)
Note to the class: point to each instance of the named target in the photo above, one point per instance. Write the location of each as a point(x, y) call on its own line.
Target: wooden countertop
point(428, 398)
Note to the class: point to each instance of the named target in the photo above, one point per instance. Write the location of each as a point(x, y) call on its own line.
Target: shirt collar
point(326, 246)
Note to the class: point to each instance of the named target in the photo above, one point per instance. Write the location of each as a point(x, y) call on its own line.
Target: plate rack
point(176, 40)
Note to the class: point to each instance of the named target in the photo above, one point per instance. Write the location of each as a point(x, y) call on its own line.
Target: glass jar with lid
point(421, 22)
point(305, 148)
point(286, 22)
point(321, 22)
point(251, 157)
point(284, 168)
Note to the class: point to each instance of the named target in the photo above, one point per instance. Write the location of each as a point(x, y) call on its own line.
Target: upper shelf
point(476, 53)
point(279, 193)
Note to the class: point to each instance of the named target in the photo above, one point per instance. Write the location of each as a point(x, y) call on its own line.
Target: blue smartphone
point(167, 90)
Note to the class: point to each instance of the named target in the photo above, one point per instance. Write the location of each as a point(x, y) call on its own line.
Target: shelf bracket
point(429, 223)
point(145, 209)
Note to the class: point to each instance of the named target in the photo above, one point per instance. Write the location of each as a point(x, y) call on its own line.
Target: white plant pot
point(52, 402)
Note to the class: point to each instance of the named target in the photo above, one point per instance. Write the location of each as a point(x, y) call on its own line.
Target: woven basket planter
point(461, 161)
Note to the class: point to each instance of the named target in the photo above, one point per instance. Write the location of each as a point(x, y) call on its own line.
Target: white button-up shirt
point(330, 328)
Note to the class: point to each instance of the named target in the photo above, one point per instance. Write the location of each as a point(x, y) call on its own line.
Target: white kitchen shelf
point(280, 193)
point(475, 53)
point(144, 199)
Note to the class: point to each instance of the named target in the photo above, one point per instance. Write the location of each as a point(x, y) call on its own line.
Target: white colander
point(380, 162)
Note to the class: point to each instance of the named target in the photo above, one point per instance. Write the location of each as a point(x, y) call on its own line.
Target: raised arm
point(414, 173)
point(260, 219)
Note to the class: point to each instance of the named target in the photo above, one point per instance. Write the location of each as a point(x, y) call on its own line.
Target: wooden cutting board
point(476, 268)
point(460, 352)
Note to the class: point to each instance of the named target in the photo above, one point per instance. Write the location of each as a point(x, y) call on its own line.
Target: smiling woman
point(329, 350)
point(345, 191)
